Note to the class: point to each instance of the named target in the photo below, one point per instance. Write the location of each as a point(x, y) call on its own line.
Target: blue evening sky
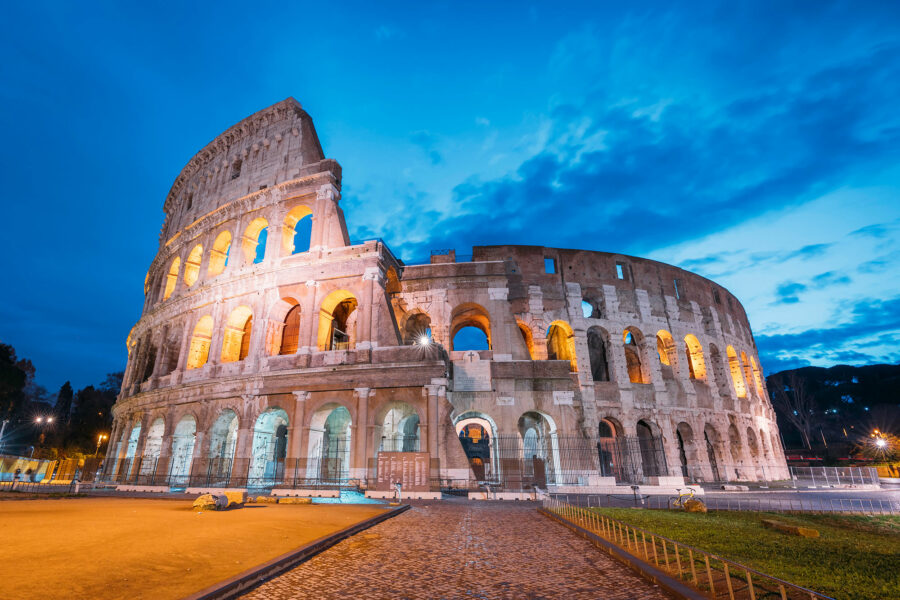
point(752, 143)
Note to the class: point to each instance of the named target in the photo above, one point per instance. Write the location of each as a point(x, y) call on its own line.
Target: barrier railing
point(711, 574)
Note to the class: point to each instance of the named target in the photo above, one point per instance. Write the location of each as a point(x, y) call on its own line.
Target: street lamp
point(100, 439)
point(43, 423)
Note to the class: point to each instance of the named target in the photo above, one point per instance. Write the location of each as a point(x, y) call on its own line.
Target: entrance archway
point(182, 451)
point(329, 444)
point(222, 441)
point(400, 429)
point(269, 448)
point(477, 433)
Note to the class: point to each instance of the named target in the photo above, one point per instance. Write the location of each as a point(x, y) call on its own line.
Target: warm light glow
point(424, 341)
point(39, 419)
point(881, 442)
point(49, 419)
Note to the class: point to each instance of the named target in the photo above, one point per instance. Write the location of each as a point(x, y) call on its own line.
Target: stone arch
point(735, 448)
point(713, 450)
point(633, 341)
point(540, 447)
point(222, 444)
point(296, 231)
point(751, 443)
point(609, 431)
point(398, 425)
point(668, 357)
point(687, 450)
point(735, 367)
point(238, 329)
point(218, 256)
point(153, 446)
point(748, 374)
point(561, 343)
point(337, 321)
point(392, 283)
point(172, 277)
point(479, 446)
point(718, 364)
point(598, 342)
point(694, 354)
point(198, 352)
point(183, 439)
point(527, 337)
point(470, 314)
point(284, 327)
point(650, 445)
point(330, 437)
point(269, 447)
point(417, 328)
point(762, 443)
point(757, 377)
point(192, 265)
point(253, 238)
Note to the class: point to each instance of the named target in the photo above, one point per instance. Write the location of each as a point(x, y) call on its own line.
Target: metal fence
point(816, 477)
point(32, 487)
point(711, 574)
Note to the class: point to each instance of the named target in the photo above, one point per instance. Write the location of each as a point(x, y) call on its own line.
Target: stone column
point(309, 320)
point(364, 331)
point(360, 434)
point(298, 434)
point(218, 333)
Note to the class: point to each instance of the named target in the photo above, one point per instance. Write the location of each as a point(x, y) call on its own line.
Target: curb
point(242, 582)
point(645, 570)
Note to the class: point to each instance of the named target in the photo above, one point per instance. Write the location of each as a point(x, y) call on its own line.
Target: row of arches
point(296, 235)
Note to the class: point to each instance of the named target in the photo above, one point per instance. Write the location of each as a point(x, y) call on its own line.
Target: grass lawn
point(105, 548)
point(856, 557)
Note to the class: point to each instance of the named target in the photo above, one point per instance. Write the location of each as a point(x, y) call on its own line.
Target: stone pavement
point(456, 549)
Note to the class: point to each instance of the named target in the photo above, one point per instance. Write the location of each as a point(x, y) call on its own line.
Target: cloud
point(385, 32)
point(786, 293)
point(427, 142)
point(829, 279)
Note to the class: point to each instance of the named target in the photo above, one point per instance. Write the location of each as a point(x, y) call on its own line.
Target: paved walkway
point(462, 550)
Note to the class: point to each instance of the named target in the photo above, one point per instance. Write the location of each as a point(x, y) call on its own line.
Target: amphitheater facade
point(273, 352)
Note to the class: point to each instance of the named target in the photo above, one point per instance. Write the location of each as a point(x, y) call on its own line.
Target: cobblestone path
point(461, 550)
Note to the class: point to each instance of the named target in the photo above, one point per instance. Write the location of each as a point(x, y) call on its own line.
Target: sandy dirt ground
point(107, 548)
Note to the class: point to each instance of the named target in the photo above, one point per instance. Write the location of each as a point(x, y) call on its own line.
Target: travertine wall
point(196, 353)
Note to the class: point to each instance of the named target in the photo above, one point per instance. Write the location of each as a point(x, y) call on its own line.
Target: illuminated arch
point(337, 321)
point(192, 265)
point(287, 311)
point(172, 277)
point(633, 340)
point(295, 237)
point(392, 283)
point(527, 336)
point(218, 256)
point(198, 353)
point(665, 348)
point(238, 328)
point(330, 441)
point(400, 427)
point(561, 343)
point(735, 366)
point(757, 376)
point(470, 314)
point(182, 450)
point(417, 329)
point(748, 374)
point(695, 361)
point(251, 241)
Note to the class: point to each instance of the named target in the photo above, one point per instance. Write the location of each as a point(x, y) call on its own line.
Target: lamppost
point(100, 439)
point(43, 423)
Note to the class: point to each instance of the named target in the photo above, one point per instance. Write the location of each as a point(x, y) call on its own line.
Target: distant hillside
point(844, 402)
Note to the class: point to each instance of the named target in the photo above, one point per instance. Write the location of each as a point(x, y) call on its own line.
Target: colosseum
point(275, 353)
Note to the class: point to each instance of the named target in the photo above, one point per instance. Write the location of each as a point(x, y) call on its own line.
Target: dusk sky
point(752, 144)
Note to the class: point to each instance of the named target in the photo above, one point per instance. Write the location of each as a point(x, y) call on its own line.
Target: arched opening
point(182, 451)
point(561, 343)
point(253, 242)
point(400, 429)
point(734, 443)
point(711, 437)
point(718, 364)
point(392, 282)
point(757, 377)
point(290, 333)
point(468, 320)
point(131, 449)
point(297, 230)
point(222, 442)
point(633, 339)
point(269, 448)
point(329, 444)
point(685, 437)
point(751, 442)
point(540, 449)
point(651, 449)
point(665, 348)
point(337, 321)
point(694, 354)
point(596, 341)
point(192, 265)
point(735, 368)
point(475, 435)
point(198, 353)
point(763, 446)
point(608, 449)
point(417, 330)
point(238, 328)
point(587, 309)
point(748, 374)
point(153, 446)
point(218, 256)
point(527, 337)
point(172, 278)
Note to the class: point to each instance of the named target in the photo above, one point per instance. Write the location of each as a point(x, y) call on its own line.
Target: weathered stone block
point(211, 502)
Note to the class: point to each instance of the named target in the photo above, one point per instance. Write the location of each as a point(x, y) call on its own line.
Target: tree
point(793, 400)
point(12, 381)
point(64, 403)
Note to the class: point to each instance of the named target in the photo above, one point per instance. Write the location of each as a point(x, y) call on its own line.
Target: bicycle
point(679, 500)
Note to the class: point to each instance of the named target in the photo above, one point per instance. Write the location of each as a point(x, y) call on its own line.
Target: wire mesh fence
point(712, 575)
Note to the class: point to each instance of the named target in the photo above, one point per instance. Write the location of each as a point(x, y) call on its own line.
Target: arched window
point(238, 327)
point(172, 278)
point(192, 265)
point(392, 283)
point(694, 353)
point(757, 376)
point(297, 230)
point(337, 321)
point(596, 341)
point(632, 339)
point(417, 330)
point(665, 349)
point(467, 320)
point(198, 352)
point(587, 309)
point(561, 343)
point(748, 374)
point(218, 256)
point(735, 367)
point(254, 240)
point(290, 335)
point(527, 337)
